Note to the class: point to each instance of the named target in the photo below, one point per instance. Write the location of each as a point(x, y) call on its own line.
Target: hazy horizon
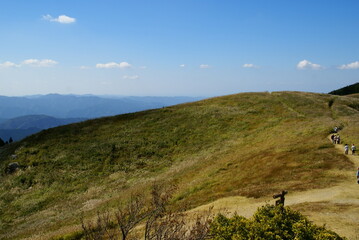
point(106, 95)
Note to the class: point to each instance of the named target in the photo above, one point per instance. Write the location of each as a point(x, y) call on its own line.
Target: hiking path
point(336, 207)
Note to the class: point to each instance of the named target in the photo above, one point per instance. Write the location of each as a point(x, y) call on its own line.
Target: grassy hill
point(250, 144)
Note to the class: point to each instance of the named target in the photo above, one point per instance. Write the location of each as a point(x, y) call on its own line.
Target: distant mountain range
point(37, 121)
point(20, 127)
point(17, 134)
point(23, 116)
point(85, 106)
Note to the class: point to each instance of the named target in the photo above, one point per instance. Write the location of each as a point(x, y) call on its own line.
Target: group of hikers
point(353, 148)
point(336, 140)
point(335, 137)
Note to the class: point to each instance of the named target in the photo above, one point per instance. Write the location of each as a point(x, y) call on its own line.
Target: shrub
point(269, 222)
point(236, 227)
point(330, 103)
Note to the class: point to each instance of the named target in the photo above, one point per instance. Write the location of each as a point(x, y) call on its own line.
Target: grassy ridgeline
point(250, 144)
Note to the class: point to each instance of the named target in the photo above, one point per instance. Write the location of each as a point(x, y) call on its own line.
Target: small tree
point(159, 222)
point(10, 140)
point(130, 215)
point(100, 230)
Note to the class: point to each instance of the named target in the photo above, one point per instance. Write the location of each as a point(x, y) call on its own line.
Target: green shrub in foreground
point(269, 222)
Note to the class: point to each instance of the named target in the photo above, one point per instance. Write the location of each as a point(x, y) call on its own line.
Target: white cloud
point(40, 63)
point(8, 64)
point(48, 17)
point(203, 66)
point(133, 77)
point(143, 67)
point(249, 65)
point(65, 19)
point(125, 65)
point(305, 64)
point(353, 65)
point(108, 65)
point(84, 67)
point(113, 65)
point(60, 19)
point(182, 65)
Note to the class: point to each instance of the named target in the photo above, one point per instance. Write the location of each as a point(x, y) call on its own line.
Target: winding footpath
point(336, 207)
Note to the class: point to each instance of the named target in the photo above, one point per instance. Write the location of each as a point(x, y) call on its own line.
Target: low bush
point(269, 222)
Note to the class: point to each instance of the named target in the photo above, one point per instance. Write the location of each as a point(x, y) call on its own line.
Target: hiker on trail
point(332, 138)
point(338, 139)
point(358, 176)
point(353, 149)
point(346, 149)
point(335, 129)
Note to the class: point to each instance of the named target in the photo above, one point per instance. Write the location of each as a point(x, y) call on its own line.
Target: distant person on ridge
point(353, 149)
point(346, 149)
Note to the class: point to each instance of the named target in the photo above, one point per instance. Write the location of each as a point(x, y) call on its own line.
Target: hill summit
point(250, 145)
point(351, 89)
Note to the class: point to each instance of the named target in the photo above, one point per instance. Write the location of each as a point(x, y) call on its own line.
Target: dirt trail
point(337, 207)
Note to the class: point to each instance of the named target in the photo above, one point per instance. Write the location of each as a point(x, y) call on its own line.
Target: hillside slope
point(250, 144)
point(336, 207)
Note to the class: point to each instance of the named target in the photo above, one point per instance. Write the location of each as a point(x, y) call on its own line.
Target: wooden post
point(281, 198)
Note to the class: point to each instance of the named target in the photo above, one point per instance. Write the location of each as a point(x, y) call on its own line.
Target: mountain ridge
point(350, 89)
point(37, 121)
point(21, 127)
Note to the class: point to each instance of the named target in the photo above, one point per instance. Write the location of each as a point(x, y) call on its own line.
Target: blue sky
point(172, 48)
